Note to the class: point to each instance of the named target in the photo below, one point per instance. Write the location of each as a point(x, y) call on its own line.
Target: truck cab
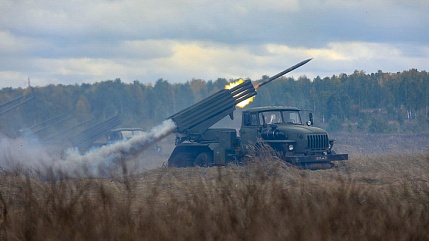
point(283, 129)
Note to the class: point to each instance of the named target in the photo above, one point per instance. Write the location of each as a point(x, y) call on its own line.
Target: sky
point(79, 41)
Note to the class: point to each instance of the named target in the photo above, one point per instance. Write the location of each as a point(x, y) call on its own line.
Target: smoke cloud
point(27, 153)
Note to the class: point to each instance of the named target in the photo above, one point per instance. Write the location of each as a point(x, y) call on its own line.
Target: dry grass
point(384, 197)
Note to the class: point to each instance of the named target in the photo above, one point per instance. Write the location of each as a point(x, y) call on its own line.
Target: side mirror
point(310, 122)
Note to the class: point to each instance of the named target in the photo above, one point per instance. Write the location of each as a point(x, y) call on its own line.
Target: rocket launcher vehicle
point(279, 127)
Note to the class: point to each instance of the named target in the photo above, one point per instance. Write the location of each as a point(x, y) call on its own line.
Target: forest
point(358, 103)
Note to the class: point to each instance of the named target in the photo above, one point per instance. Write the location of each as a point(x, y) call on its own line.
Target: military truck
point(278, 127)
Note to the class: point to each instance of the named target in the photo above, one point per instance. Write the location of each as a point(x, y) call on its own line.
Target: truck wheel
point(204, 159)
point(182, 159)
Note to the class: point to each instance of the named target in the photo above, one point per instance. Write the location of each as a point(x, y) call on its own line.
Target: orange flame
point(244, 102)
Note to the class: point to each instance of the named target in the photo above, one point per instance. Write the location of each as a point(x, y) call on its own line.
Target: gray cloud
point(80, 41)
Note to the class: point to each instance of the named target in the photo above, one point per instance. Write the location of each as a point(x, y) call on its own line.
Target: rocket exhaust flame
point(243, 103)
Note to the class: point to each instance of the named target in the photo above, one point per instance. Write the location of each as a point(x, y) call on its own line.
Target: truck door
point(249, 131)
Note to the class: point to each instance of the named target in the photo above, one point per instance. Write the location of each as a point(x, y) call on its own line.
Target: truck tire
point(182, 159)
point(204, 159)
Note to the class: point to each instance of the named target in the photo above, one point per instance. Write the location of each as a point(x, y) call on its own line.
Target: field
point(376, 195)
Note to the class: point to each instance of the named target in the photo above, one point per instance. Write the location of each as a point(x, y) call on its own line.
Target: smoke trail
point(105, 157)
point(28, 152)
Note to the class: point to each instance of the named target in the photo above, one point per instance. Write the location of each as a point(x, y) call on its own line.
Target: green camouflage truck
point(278, 127)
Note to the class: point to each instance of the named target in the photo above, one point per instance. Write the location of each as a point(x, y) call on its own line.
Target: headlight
point(290, 147)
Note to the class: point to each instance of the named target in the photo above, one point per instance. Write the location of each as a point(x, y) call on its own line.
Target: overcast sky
point(79, 41)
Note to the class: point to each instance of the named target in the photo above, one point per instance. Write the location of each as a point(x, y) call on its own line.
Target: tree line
point(377, 102)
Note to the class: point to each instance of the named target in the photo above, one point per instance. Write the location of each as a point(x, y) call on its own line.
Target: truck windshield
point(279, 117)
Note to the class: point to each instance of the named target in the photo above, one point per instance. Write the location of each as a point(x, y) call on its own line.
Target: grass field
point(377, 197)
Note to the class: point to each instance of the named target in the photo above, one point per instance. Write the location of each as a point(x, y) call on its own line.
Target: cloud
point(86, 41)
point(180, 61)
point(222, 21)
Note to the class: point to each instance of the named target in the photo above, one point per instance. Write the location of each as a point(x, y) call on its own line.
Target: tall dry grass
point(367, 198)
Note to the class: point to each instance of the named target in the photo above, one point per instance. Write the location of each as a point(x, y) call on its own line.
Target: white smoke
point(29, 153)
point(96, 161)
point(25, 152)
